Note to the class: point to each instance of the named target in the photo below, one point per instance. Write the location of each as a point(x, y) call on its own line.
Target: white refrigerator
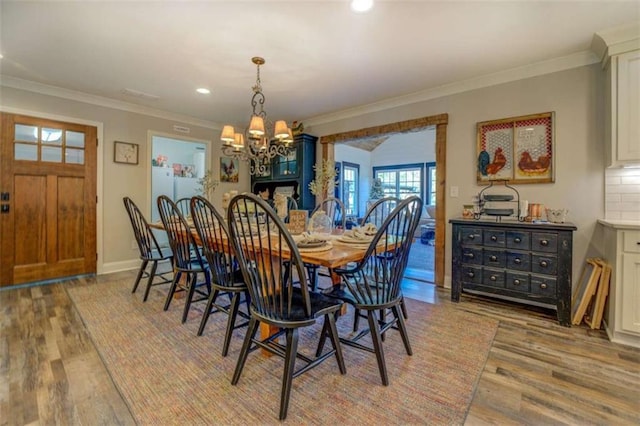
point(161, 184)
point(184, 187)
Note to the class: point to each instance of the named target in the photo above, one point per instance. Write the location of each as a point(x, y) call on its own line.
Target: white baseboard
point(124, 265)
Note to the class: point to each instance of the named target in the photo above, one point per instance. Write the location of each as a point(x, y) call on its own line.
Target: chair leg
point(377, 346)
point(383, 317)
point(404, 309)
point(312, 271)
point(191, 285)
point(403, 330)
point(207, 311)
point(152, 275)
point(323, 338)
point(231, 322)
point(356, 320)
point(335, 341)
point(289, 365)
point(246, 345)
point(172, 290)
point(139, 277)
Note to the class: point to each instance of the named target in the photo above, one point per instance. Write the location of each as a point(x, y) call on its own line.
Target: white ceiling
point(321, 58)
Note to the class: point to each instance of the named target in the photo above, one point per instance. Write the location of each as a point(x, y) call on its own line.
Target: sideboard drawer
point(543, 286)
point(493, 277)
point(520, 240)
point(494, 258)
point(517, 282)
point(519, 261)
point(546, 242)
point(541, 264)
point(472, 274)
point(472, 255)
point(471, 235)
point(493, 238)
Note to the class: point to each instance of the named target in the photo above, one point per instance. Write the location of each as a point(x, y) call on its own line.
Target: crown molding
point(575, 60)
point(616, 41)
point(540, 68)
point(74, 95)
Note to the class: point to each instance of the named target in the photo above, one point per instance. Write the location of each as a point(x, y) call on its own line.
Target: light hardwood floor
point(537, 371)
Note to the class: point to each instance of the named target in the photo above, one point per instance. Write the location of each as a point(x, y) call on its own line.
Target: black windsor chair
point(263, 245)
point(149, 248)
point(373, 284)
point(226, 277)
point(186, 257)
point(376, 215)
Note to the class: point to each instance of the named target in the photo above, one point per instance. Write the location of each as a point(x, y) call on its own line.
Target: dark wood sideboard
point(293, 171)
point(517, 261)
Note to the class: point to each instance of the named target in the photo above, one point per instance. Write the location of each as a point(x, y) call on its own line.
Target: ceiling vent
point(140, 95)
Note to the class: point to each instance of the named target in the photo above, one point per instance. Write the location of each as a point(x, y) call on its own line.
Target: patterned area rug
point(168, 375)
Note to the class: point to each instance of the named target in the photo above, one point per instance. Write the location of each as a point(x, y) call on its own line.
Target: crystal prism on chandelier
point(259, 143)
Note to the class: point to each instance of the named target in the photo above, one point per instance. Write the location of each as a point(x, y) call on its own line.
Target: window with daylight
point(431, 184)
point(402, 180)
point(350, 184)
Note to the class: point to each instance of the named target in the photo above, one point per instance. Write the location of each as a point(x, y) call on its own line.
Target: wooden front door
point(47, 199)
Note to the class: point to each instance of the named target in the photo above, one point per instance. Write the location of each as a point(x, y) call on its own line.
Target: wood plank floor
point(537, 371)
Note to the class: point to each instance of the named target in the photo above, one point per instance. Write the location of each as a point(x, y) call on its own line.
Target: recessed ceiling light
point(203, 91)
point(361, 5)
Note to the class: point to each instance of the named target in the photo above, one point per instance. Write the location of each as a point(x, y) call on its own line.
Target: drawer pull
point(544, 263)
point(494, 238)
point(517, 239)
point(493, 258)
point(470, 255)
point(471, 274)
point(517, 261)
point(516, 282)
point(544, 242)
point(543, 285)
point(471, 236)
point(493, 278)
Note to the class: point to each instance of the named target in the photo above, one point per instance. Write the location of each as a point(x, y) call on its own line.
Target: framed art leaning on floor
point(517, 149)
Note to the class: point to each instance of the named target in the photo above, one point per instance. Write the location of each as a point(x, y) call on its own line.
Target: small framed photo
point(125, 152)
point(517, 149)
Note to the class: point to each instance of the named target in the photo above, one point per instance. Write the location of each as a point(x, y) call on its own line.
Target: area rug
point(168, 375)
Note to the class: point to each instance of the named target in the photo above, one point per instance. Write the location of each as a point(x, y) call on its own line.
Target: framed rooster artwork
point(229, 170)
point(516, 149)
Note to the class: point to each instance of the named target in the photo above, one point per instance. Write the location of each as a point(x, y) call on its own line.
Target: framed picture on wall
point(125, 152)
point(229, 169)
point(516, 149)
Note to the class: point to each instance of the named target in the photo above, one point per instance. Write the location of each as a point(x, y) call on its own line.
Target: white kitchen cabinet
point(622, 251)
point(623, 109)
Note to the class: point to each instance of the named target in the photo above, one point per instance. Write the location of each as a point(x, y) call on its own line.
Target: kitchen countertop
point(620, 224)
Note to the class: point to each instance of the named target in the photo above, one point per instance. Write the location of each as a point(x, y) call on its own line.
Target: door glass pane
point(75, 139)
point(52, 154)
point(51, 136)
point(74, 156)
point(25, 151)
point(26, 133)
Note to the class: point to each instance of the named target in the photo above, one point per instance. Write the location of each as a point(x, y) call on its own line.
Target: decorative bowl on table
point(556, 215)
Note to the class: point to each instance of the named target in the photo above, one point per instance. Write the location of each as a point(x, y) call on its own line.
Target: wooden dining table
point(338, 255)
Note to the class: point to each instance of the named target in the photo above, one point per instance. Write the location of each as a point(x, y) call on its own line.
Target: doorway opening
point(439, 122)
point(177, 167)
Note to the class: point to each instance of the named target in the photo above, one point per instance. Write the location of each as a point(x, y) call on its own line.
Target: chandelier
point(258, 144)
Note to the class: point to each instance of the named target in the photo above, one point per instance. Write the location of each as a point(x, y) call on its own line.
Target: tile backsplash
point(622, 194)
